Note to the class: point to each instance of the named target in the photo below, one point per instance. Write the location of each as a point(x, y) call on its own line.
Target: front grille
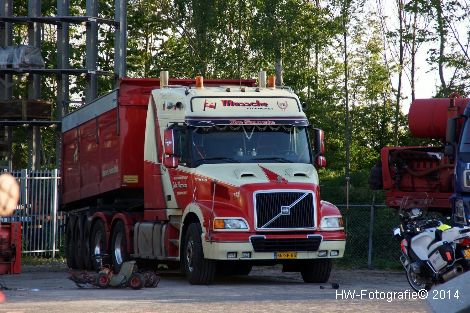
point(260, 244)
point(285, 210)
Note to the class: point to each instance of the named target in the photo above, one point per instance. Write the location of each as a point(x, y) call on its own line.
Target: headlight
point(332, 223)
point(459, 213)
point(230, 224)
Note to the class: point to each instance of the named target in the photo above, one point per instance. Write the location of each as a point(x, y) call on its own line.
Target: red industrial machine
point(10, 248)
point(423, 176)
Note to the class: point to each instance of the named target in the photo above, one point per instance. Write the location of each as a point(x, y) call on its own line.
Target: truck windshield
point(249, 144)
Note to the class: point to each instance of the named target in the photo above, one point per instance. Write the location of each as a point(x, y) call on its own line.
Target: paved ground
point(266, 289)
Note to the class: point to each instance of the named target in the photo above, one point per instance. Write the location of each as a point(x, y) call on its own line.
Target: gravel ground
point(266, 289)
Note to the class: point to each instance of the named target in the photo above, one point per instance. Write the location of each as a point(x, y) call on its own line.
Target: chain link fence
point(369, 225)
point(370, 242)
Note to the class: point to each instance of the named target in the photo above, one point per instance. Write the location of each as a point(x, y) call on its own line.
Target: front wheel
point(70, 244)
point(316, 271)
point(416, 281)
point(198, 270)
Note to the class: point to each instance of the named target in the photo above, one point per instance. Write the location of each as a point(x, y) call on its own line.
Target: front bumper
point(220, 251)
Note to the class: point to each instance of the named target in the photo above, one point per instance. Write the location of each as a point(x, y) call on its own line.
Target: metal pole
point(6, 88)
point(117, 42)
point(120, 40)
point(371, 232)
point(123, 70)
point(3, 8)
point(54, 212)
point(8, 42)
point(91, 50)
point(34, 82)
point(63, 9)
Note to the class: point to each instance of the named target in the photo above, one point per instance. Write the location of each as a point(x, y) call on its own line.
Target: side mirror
point(450, 130)
point(320, 161)
point(449, 149)
point(169, 141)
point(319, 144)
point(170, 161)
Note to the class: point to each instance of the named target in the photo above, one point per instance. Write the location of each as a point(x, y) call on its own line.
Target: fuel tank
point(427, 118)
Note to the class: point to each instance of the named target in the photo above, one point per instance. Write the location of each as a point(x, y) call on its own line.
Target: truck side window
point(180, 144)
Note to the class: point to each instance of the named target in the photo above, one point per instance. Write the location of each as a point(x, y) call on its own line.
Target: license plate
point(285, 255)
point(466, 253)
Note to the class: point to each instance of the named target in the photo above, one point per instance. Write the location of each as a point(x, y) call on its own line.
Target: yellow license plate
point(286, 255)
point(466, 253)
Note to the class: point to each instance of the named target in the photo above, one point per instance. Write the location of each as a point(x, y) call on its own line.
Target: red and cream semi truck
point(215, 176)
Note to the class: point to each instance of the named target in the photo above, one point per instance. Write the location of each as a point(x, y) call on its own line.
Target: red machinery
point(10, 248)
point(421, 175)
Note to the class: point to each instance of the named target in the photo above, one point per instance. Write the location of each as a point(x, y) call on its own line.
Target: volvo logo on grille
point(285, 210)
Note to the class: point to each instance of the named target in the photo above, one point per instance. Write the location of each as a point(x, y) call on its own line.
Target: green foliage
point(236, 38)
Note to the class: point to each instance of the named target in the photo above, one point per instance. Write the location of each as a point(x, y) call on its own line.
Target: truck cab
point(461, 152)
point(228, 174)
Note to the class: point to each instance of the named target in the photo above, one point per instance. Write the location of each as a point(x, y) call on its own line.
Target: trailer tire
point(69, 243)
point(316, 271)
point(119, 247)
point(86, 245)
point(98, 245)
point(198, 270)
point(79, 257)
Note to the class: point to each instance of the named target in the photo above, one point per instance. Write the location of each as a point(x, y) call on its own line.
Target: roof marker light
point(199, 82)
point(272, 81)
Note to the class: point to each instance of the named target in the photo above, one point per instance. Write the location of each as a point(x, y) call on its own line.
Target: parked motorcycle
point(432, 252)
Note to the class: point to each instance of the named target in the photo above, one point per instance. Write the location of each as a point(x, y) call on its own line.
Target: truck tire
point(316, 271)
point(70, 243)
point(198, 270)
point(119, 247)
point(78, 234)
point(86, 244)
point(98, 245)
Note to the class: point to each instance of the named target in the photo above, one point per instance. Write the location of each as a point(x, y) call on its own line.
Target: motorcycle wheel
point(416, 282)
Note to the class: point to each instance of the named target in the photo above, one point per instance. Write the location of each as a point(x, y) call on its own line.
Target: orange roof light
point(199, 82)
point(272, 81)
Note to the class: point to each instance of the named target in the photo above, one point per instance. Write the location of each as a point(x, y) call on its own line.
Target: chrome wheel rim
point(416, 281)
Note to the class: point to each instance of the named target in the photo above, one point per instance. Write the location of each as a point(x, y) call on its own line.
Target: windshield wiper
point(278, 159)
point(219, 159)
